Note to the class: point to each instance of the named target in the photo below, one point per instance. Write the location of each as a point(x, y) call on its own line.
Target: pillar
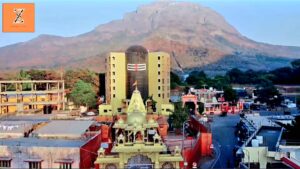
point(0, 98)
point(58, 96)
point(63, 94)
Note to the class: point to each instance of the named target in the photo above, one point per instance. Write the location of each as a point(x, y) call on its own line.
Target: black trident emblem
point(19, 13)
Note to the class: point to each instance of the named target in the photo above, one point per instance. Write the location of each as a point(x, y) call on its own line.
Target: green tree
point(23, 75)
point(83, 94)
point(230, 95)
point(179, 116)
point(72, 76)
point(195, 77)
point(268, 93)
point(175, 80)
point(296, 63)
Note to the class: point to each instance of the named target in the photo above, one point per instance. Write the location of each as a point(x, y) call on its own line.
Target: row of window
point(34, 164)
point(163, 95)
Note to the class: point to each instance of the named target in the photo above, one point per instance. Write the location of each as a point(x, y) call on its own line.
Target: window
point(158, 65)
point(158, 95)
point(114, 88)
point(158, 87)
point(158, 58)
point(35, 165)
point(114, 80)
point(158, 80)
point(114, 73)
point(5, 163)
point(114, 65)
point(65, 166)
point(158, 72)
point(114, 95)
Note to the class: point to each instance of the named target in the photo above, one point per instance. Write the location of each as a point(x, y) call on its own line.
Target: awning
point(5, 158)
point(64, 161)
point(33, 160)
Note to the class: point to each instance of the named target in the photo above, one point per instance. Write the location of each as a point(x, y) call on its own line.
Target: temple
point(136, 131)
point(139, 142)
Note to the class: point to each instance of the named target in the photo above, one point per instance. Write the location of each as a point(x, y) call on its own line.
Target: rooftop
point(15, 128)
point(63, 129)
point(270, 136)
point(36, 142)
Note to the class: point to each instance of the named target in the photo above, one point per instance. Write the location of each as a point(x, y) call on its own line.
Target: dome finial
point(135, 84)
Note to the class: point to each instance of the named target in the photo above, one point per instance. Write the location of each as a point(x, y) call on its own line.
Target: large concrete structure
point(26, 95)
point(150, 70)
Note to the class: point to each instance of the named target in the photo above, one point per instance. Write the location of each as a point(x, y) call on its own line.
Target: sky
point(270, 21)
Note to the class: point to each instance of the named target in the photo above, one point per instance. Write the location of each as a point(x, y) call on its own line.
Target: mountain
point(195, 36)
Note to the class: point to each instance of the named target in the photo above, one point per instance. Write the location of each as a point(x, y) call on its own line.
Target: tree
point(234, 75)
point(296, 63)
point(230, 95)
point(23, 75)
point(72, 76)
point(175, 80)
point(195, 76)
point(83, 94)
point(179, 116)
point(268, 93)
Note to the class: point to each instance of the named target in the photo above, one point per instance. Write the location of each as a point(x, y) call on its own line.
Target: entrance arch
point(139, 162)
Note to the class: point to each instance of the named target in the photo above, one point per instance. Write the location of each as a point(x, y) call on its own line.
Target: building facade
point(149, 70)
point(31, 95)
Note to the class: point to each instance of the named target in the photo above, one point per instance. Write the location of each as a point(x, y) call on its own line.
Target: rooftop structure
point(265, 147)
point(16, 129)
point(72, 129)
point(38, 142)
point(54, 144)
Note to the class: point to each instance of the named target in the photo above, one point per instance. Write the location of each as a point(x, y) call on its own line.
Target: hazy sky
point(271, 21)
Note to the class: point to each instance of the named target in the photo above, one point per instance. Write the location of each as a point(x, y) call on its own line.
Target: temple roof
point(136, 110)
point(136, 103)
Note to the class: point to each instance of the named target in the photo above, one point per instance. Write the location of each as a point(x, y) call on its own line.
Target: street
point(223, 135)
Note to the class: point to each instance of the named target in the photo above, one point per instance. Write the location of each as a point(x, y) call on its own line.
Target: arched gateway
point(139, 162)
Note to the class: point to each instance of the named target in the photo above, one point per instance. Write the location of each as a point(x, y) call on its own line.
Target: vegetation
point(285, 75)
point(83, 94)
point(179, 116)
point(268, 93)
point(71, 77)
point(175, 80)
point(264, 81)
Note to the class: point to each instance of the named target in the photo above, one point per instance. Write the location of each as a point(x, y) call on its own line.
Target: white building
point(57, 144)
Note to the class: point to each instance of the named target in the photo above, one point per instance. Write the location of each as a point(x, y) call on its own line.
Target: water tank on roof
point(255, 143)
point(260, 139)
